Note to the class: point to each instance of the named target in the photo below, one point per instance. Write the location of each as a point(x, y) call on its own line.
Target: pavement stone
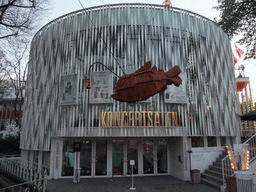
point(123, 184)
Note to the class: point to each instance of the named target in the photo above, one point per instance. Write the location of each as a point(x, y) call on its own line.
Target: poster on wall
point(175, 94)
point(101, 87)
point(68, 90)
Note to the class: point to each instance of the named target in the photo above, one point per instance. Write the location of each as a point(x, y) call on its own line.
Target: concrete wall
point(176, 150)
point(202, 157)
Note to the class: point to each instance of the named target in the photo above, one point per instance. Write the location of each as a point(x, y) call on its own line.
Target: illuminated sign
point(139, 119)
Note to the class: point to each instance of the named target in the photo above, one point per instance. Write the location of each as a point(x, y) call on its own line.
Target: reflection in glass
point(85, 158)
point(67, 159)
point(101, 157)
point(132, 154)
point(148, 157)
point(117, 158)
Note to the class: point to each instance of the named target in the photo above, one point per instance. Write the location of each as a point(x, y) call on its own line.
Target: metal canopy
point(251, 116)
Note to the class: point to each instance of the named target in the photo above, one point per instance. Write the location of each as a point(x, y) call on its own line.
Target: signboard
point(68, 90)
point(175, 94)
point(101, 87)
point(132, 162)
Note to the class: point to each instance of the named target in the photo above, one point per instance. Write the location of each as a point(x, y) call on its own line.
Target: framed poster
point(101, 87)
point(68, 90)
point(175, 94)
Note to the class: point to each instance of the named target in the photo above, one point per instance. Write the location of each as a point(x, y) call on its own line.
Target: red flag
point(235, 59)
point(239, 51)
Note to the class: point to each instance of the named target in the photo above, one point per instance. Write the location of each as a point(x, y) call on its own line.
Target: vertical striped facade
point(124, 37)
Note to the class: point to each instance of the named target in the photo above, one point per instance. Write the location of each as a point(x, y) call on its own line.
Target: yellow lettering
point(162, 116)
point(130, 118)
point(110, 117)
point(144, 118)
point(157, 121)
point(137, 118)
point(117, 119)
point(174, 119)
point(123, 118)
point(150, 123)
point(168, 119)
point(103, 123)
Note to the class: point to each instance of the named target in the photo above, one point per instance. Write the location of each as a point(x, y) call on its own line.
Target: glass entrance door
point(148, 157)
point(85, 158)
point(117, 157)
point(132, 154)
point(101, 157)
point(162, 165)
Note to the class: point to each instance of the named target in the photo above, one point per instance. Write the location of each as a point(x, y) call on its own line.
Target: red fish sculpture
point(144, 83)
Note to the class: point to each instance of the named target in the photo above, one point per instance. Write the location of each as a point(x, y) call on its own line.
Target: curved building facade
point(104, 43)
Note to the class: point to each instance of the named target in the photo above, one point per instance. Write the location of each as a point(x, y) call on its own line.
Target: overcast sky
point(62, 7)
point(201, 7)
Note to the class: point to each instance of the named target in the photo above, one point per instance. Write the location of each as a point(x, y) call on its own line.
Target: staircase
point(213, 175)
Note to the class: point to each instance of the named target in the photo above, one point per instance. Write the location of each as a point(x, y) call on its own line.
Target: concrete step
point(217, 164)
point(222, 156)
point(214, 173)
point(211, 183)
point(212, 178)
point(215, 168)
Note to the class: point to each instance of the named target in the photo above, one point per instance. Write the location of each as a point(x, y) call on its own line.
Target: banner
point(175, 94)
point(101, 87)
point(68, 90)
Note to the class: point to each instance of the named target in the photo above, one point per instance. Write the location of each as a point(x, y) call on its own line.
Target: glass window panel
point(132, 154)
point(148, 157)
point(117, 157)
point(223, 141)
point(212, 142)
point(162, 166)
point(197, 141)
point(68, 159)
point(101, 157)
point(85, 157)
point(46, 160)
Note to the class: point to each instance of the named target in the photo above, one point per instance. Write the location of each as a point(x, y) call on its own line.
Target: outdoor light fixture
point(167, 3)
point(231, 158)
point(240, 157)
point(245, 159)
point(88, 83)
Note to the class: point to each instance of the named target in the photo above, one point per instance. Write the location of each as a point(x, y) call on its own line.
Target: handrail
point(226, 169)
point(225, 164)
point(33, 174)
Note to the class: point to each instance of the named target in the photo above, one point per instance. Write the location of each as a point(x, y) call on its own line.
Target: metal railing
point(34, 174)
point(252, 147)
point(226, 169)
point(226, 166)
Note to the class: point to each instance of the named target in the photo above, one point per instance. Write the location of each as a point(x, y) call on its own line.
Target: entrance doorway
point(117, 157)
point(111, 157)
point(101, 158)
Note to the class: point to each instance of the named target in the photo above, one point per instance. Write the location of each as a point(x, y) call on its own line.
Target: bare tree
point(14, 67)
point(19, 16)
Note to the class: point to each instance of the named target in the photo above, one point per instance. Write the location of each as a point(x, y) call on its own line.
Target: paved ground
point(142, 184)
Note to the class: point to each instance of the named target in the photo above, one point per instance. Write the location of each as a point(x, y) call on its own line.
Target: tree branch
point(14, 34)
